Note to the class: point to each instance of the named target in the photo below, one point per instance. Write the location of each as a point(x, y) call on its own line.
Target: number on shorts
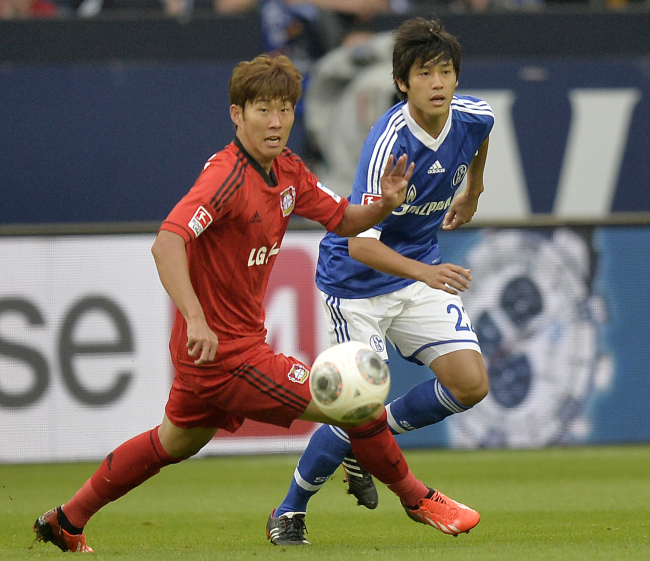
point(460, 326)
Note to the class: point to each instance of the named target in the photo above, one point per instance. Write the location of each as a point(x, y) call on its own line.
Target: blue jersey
point(441, 164)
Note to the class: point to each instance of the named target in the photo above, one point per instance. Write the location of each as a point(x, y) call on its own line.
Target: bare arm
point(464, 206)
point(171, 260)
point(394, 181)
point(234, 6)
point(374, 253)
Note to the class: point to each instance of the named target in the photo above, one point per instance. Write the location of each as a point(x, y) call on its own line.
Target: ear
point(236, 114)
point(401, 85)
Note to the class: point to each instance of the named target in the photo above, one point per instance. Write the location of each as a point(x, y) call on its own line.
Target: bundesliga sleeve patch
point(331, 193)
point(369, 198)
point(200, 221)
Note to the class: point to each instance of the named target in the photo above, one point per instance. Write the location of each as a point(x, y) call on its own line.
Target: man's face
point(263, 128)
point(430, 90)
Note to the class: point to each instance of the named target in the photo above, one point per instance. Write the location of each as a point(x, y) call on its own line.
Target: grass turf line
point(554, 504)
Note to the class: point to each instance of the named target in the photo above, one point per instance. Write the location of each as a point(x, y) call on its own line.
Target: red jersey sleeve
point(315, 201)
point(208, 199)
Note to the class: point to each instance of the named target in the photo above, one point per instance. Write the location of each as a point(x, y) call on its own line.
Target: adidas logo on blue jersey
point(436, 167)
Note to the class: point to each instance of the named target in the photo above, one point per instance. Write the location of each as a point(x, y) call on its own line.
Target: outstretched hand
point(395, 180)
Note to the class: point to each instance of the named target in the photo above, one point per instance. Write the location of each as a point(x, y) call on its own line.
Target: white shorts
point(421, 322)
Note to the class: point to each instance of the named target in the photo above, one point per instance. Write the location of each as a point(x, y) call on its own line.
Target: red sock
point(410, 490)
point(375, 448)
point(125, 468)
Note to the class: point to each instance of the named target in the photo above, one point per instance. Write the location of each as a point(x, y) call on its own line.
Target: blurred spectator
point(178, 7)
point(472, 5)
point(303, 29)
point(521, 5)
point(233, 6)
point(28, 9)
point(185, 7)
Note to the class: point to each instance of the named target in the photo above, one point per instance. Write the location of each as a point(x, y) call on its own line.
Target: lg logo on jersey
point(261, 256)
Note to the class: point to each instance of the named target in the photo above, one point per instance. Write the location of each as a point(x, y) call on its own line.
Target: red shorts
point(266, 387)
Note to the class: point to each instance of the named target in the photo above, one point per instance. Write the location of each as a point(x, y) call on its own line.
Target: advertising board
point(561, 314)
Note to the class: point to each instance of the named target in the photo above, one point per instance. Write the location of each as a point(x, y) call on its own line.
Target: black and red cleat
point(48, 529)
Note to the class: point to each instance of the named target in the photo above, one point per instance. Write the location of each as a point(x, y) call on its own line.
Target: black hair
point(419, 41)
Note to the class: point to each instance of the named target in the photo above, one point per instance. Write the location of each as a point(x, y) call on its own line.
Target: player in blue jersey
point(389, 283)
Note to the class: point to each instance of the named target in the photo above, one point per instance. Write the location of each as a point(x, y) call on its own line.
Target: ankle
point(66, 524)
point(410, 490)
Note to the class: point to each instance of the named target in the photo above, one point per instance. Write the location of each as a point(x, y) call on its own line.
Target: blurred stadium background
point(107, 120)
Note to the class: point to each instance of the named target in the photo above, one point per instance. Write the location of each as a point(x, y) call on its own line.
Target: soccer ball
point(349, 381)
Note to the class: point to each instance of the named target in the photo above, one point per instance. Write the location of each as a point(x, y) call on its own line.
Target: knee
point(184, 449)
point(183, 443)
point(479, 391)
point(473, 391)
point(463, 373)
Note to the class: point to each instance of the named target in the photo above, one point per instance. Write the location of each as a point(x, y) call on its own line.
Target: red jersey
point(233, 221)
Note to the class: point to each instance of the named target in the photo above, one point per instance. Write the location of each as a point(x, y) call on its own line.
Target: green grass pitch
point(554, 504)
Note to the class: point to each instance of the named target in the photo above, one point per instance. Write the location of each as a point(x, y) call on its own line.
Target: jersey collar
point(270, 178)
point(423, 136)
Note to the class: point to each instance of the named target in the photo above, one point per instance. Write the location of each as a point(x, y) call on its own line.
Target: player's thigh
point(360, 319)
point(463, 373)
point(432, 323)
point(266, 387)
point(188, 409)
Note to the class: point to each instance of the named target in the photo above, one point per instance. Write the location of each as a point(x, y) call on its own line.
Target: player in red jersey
point(214, 255)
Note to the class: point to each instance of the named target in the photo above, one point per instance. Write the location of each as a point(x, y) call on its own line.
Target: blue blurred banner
point(122, 142)
point(562, 316)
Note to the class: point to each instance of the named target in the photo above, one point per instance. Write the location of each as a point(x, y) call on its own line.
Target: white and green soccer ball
point(349, 381)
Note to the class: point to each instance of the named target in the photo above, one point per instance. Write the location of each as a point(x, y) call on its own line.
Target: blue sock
point(326, 449)
point(425, 404)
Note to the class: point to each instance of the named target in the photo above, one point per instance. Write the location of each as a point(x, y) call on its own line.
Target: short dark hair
point(419, 41)
point(265, 77)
